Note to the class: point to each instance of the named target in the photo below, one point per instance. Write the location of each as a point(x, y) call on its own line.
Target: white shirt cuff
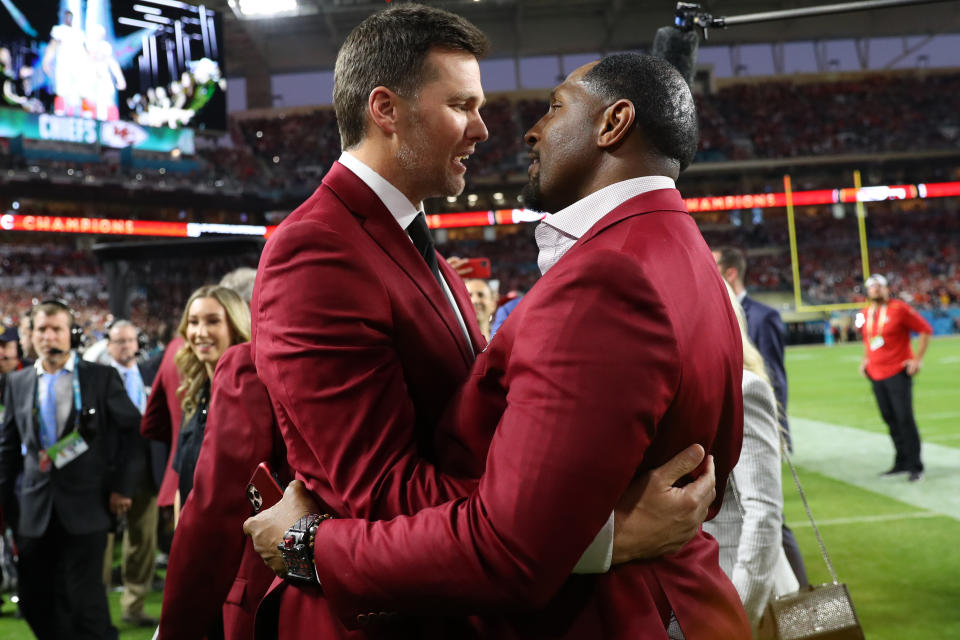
point(599, 555)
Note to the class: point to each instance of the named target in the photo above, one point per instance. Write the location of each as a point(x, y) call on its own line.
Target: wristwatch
point(297, 548)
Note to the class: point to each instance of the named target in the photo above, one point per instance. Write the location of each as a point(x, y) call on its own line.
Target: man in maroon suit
point(360, 334)
point(620, 357)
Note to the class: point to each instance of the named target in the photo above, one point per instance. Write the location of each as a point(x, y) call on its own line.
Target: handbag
point(821, 612)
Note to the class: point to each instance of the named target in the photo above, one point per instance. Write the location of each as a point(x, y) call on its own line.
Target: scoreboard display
point(143, 64)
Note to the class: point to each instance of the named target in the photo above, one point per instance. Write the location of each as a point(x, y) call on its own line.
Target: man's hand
point(913, 366)
point(460, 265)
point(863, 368)
point(119, 504)
point(267, 528)
point(654, 517)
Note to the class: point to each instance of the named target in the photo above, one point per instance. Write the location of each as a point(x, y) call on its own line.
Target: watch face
point(253, 495)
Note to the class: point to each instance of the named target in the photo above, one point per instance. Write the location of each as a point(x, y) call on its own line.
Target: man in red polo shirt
point(890, 364)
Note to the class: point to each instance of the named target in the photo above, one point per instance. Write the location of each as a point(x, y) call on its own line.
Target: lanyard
point(880, 324)
point(76, 395)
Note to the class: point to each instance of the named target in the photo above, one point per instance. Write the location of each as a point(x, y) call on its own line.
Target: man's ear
point(615, 124)
point(730, 274)
point(382, 107)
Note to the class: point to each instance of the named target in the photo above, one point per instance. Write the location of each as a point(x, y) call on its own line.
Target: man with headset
point(66, 427)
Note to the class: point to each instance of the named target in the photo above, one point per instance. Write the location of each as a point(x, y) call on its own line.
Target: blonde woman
point(748, 527)
point(214, 319)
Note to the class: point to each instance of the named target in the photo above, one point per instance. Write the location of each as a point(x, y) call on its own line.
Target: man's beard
point(532, 196)
point(414, 158)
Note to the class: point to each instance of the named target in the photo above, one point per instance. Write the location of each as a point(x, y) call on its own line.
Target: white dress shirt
point(561, 230)
point(402, 211)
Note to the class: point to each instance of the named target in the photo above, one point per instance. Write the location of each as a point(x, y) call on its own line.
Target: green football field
point(892, 542)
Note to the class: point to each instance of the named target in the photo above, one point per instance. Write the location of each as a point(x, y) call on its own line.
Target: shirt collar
point(400, 208)
point(741, 296)
point(68, 367)
point(119, 367)
point(577, 219)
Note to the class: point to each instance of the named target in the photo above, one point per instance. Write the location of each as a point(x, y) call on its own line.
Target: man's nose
point(478, 130)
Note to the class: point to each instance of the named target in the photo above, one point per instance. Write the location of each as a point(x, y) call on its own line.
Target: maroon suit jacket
point(621, 356)
point(162, 416)
point(360, 353)
point(209, 545)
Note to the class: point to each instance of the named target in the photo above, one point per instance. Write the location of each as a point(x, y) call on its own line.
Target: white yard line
point(857, 457)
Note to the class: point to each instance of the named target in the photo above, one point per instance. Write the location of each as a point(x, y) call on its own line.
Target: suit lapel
point(380, 224)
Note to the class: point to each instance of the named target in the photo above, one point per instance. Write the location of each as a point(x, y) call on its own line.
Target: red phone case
point(263, 491)
point(481, 268)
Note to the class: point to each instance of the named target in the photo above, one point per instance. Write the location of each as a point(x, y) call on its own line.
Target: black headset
point(76, 331)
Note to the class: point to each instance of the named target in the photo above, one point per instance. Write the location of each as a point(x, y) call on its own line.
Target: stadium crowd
point(287, 152)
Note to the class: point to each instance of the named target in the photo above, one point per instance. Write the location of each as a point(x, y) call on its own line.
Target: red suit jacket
point(209, 545)
point(162, 416)
point(360, 353)
point(622, 355)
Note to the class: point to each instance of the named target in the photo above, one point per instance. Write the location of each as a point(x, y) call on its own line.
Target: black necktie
point(423, 241)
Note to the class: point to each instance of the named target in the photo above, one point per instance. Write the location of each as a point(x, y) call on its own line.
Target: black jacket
point(79, 492)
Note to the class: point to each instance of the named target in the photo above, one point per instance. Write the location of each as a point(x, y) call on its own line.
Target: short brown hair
point(732, 257)
point(389, 49)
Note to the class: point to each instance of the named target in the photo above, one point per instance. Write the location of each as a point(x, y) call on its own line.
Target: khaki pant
point(139, 554)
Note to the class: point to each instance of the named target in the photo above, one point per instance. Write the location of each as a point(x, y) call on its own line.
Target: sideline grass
point(902, 573)
point(14, 629)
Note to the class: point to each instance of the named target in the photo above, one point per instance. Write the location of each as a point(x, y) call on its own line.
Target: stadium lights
point(264, 8)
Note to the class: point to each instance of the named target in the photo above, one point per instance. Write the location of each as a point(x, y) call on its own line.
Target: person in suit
point(29, 354)
point(361, 334)
point(140, 534)
point(765, 329)
point(241, 433)
point(10, 355)
point(613, 362)
point(65, 503)
point(748, 527)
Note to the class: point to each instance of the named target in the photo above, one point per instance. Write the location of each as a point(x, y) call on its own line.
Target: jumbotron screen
point(158, 63)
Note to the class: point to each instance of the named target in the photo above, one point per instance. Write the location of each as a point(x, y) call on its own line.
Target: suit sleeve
point(757, 477)
point(123, 418)
point(238, 436)
point(578, 421)
point(770, 342)
point(11, 461)
point(324, 349)
point(156, 421)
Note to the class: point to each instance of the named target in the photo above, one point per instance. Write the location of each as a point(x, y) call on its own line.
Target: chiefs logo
point(119, 134)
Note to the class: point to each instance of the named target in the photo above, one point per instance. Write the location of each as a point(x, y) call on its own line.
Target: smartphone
point(263, 491)
point(480, 268)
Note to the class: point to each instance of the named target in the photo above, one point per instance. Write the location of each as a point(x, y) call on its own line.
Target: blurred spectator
point(484, 303)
